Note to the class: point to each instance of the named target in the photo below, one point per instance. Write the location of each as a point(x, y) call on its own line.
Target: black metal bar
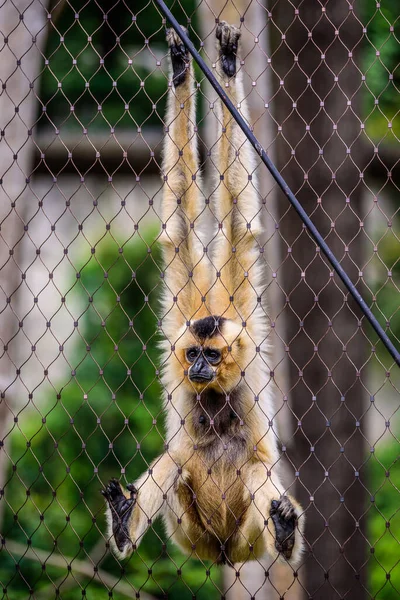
point(282, 183)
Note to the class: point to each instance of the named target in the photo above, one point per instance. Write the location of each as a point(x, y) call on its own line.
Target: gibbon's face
point(209, 351)
point(202, 360)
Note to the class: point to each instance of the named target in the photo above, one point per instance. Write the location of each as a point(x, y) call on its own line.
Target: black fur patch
point(233, 432)
point(208, 327)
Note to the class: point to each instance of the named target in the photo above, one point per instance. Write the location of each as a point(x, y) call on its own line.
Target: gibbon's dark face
point(202, 361)
point(204, 356)
point(209, 352)
point(206, 350)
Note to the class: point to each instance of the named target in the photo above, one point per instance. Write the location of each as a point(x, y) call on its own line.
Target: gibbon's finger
point(284, 518)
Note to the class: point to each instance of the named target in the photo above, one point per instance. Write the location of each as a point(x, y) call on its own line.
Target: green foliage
point(381, 67)
point(384, 523)
point(110, 55)
point(103, 421)
point(386, 308)
point(104, 65)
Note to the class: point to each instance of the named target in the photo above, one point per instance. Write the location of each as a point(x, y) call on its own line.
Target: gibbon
point(216, 484)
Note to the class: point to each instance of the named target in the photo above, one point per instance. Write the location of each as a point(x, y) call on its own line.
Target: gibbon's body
point(216, 485)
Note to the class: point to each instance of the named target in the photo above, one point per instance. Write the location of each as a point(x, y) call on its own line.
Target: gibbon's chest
point(222, 448)
point(217, 417)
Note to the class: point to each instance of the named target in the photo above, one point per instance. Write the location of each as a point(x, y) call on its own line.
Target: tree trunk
point(23, 26)
point(317, 106)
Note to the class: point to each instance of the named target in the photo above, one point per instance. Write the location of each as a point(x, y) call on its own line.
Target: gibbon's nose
point(201, 371)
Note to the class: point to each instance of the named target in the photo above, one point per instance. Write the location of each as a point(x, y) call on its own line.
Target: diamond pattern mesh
point(83, 95)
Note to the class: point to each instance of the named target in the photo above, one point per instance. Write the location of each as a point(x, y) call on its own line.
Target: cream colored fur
point(207, 489)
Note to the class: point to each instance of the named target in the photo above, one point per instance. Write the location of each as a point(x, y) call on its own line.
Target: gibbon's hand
point(284, 517)
point(121, 509)
point(179, 56)
point(228, 37)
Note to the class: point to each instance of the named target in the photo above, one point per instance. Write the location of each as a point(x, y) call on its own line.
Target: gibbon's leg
point(237, 205)
point(185, 526)
point(270, 521)
point(164, 490)
point(129, 514)
point(187, 273)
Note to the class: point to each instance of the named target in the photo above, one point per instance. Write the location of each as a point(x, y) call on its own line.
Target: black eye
point(192, 354)
point(212, 356)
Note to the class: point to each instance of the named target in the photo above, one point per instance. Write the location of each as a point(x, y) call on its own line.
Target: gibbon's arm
point(237, 205)
point(186, 274)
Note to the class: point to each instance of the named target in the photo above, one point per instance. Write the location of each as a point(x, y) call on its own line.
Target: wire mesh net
point(83, 399)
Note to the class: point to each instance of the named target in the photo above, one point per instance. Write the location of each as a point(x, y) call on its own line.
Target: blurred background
point(82, 100)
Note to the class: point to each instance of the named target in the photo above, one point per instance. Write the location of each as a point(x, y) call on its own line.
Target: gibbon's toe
point(179, 56)
point(228, 37)
point(121, 509)
point(284, 517)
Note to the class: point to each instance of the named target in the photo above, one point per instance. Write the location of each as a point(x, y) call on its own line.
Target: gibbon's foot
point(284, 517)
point(121, 508)
point(228, 37)
point(179, 56)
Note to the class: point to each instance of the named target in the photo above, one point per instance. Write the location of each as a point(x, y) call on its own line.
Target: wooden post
point(22, 23)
